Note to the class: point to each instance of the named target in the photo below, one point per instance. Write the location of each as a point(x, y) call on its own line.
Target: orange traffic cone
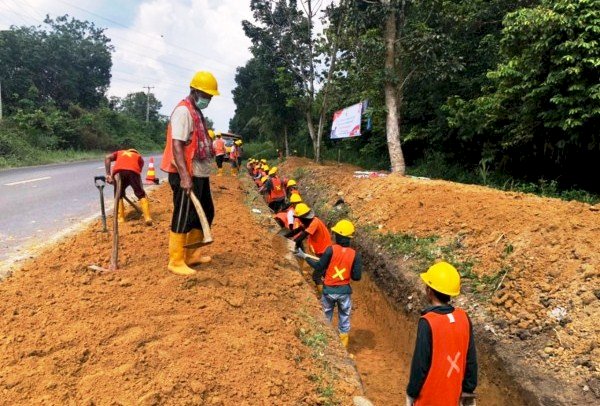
point(150, 175)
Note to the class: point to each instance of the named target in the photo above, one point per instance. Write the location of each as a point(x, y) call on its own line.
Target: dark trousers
point(184, 213)
point(277, 205)
point(219, 160)
point(133, 179)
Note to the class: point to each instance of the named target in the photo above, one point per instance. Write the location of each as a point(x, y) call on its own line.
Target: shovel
point(203, 220)
point(114, 259)
point(100, 182)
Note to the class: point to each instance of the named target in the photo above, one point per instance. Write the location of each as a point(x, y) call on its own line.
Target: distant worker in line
point(332, 274)
point(234, 156)
point(189, 145)
point(129, 164)
point(444, 363)
point(313, 229)
point(274, 191)
point(240, 153)
point(220, 151)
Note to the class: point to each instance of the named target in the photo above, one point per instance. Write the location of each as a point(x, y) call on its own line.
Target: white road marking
point(26, 181)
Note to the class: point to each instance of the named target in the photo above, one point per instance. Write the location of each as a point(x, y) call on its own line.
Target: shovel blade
point(198, 244)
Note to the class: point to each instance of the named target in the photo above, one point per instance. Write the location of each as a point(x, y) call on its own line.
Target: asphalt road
point(37, 203)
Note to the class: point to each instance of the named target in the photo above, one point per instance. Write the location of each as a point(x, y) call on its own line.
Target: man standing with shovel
point(187, 158)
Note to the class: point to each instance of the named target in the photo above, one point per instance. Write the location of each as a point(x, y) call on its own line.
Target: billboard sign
point(346, 122)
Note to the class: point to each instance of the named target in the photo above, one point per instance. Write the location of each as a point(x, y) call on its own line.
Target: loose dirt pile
point(545, 252)
point(228, 336)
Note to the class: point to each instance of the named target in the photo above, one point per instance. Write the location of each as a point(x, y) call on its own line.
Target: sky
point(159, 43)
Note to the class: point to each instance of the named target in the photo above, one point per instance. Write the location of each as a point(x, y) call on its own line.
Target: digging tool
point(135, 206)
point(114, 259)
point(203, 220)
point(100, 182)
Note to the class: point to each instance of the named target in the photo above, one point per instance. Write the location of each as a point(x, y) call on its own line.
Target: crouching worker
point(333, 271)
point(444, 364)
point(128, 164)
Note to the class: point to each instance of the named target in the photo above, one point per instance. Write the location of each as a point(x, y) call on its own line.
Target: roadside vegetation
point(499, 93)
point(55, 108)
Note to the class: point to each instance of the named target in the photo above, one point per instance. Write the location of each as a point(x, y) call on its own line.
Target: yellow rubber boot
point(193, 256)
point(146, 210)
point(121, 216)
point(176, 253)
point(344, 339)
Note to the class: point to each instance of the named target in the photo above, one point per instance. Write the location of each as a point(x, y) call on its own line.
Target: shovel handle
point(201, 215)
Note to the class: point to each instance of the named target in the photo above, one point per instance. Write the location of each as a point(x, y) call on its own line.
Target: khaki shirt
point(182, 127)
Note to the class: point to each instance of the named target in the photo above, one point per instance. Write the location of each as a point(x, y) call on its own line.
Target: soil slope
point(548, 249)
point(140, 335)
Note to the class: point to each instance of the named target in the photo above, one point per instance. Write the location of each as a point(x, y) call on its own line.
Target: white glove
point(409, 401)
point(300, 254)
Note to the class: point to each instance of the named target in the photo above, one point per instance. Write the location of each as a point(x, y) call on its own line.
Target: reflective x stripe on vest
point(277, 192)
point(450, 343)
point(128, 160)
point(340, 266)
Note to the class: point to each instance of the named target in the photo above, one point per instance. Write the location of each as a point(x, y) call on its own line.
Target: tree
point(134, 105)
point(541, 110)
point(67, 62)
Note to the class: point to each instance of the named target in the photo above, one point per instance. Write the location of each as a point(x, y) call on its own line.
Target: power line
point(147, 35)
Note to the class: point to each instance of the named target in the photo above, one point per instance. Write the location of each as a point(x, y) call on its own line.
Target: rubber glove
point(300, 254)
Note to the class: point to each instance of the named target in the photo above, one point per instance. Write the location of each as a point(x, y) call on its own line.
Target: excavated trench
point(382, 337)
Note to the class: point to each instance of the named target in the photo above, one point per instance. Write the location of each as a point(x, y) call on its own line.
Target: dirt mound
point(542, 255)
point(229, 336)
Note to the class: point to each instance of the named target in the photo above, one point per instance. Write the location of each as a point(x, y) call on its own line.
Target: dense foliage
point(54, 81)
point(494, 89)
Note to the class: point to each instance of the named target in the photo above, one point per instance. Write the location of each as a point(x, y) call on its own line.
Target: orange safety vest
point(340, 266)
point(191, 147)
point(450, 335)
point(318, 236)
point(281, 219)
point(128, 160)
point(219, 146)
point(277, 192)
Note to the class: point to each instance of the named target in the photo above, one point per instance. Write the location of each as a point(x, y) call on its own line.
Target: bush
point(260, 150)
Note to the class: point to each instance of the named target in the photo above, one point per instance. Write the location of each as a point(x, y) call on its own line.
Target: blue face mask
point(202, 103)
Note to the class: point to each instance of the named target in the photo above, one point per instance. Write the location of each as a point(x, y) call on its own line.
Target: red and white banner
point(346, 122)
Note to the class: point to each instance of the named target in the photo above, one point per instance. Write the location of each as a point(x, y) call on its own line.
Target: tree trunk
point(391, 96)
point(285, 141)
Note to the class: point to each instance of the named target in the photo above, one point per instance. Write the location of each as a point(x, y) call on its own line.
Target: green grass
point(313, 335)
point(41, 157)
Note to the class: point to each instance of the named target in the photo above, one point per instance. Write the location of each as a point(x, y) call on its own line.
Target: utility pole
point(0, 101)
point(148, 102)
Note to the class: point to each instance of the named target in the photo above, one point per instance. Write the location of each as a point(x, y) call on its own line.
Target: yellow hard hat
point(295, 198)
point(302, 210)
point(291, 182)
point(265, 168)
point(264, 179)
point(345, 228)
point(444, 278)
point(238, 142)
point(273, 170)
point(211, 134)
point(264, 161)
point(205, 82)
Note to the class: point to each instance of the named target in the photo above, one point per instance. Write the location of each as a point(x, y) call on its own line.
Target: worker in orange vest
point(313, 230)
point(332, 274)
point(234, 156)
point(274, 191)
point(286, 219)
point(189, 146)
point(444, 363)
point(291, 188)
point(129, 164)
point(220, 151)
